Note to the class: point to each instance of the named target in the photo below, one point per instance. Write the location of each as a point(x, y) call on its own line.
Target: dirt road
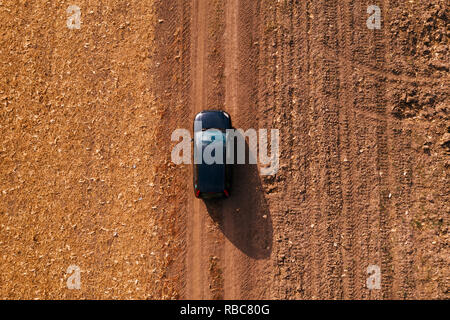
point(86, 176)
point(344, 197)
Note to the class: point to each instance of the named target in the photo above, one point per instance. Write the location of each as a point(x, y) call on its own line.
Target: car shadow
point(244, 217)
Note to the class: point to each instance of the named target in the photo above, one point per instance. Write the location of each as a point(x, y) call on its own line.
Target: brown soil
point(86, 118)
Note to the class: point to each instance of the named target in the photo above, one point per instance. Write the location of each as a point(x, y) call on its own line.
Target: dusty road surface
point(364, 169)
point(86, 176)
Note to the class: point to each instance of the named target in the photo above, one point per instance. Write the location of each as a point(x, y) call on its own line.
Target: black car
point(211, 180)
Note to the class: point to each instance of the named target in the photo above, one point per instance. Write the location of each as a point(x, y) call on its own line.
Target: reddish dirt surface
point(86, 177)
point(364, 158)
point(83, 178)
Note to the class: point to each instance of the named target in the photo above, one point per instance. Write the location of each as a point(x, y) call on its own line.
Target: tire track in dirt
point(382, 167)
point(305, 93)
point(216, 100)
point(182, 19)
point(404, 282)
point(302, 97)
point(360, 173)
point(294, 63)
point(400, 173)
point(371, 48)
point(349, 259)
point(195, 265)
point(293, 252)
point(316, 160)
point(362, 155)
point(206, 252)
point(332, 179)
point(172, 85)
point(281, 110)
point(248, 233)
point(324, 205)
point(383, 161)
point(272, 62)
point(233, 261)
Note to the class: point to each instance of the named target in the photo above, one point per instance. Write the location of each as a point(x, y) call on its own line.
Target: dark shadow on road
point(244, 218)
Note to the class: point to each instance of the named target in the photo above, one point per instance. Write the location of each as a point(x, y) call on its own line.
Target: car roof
point(214, 119)
point(211, 177)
